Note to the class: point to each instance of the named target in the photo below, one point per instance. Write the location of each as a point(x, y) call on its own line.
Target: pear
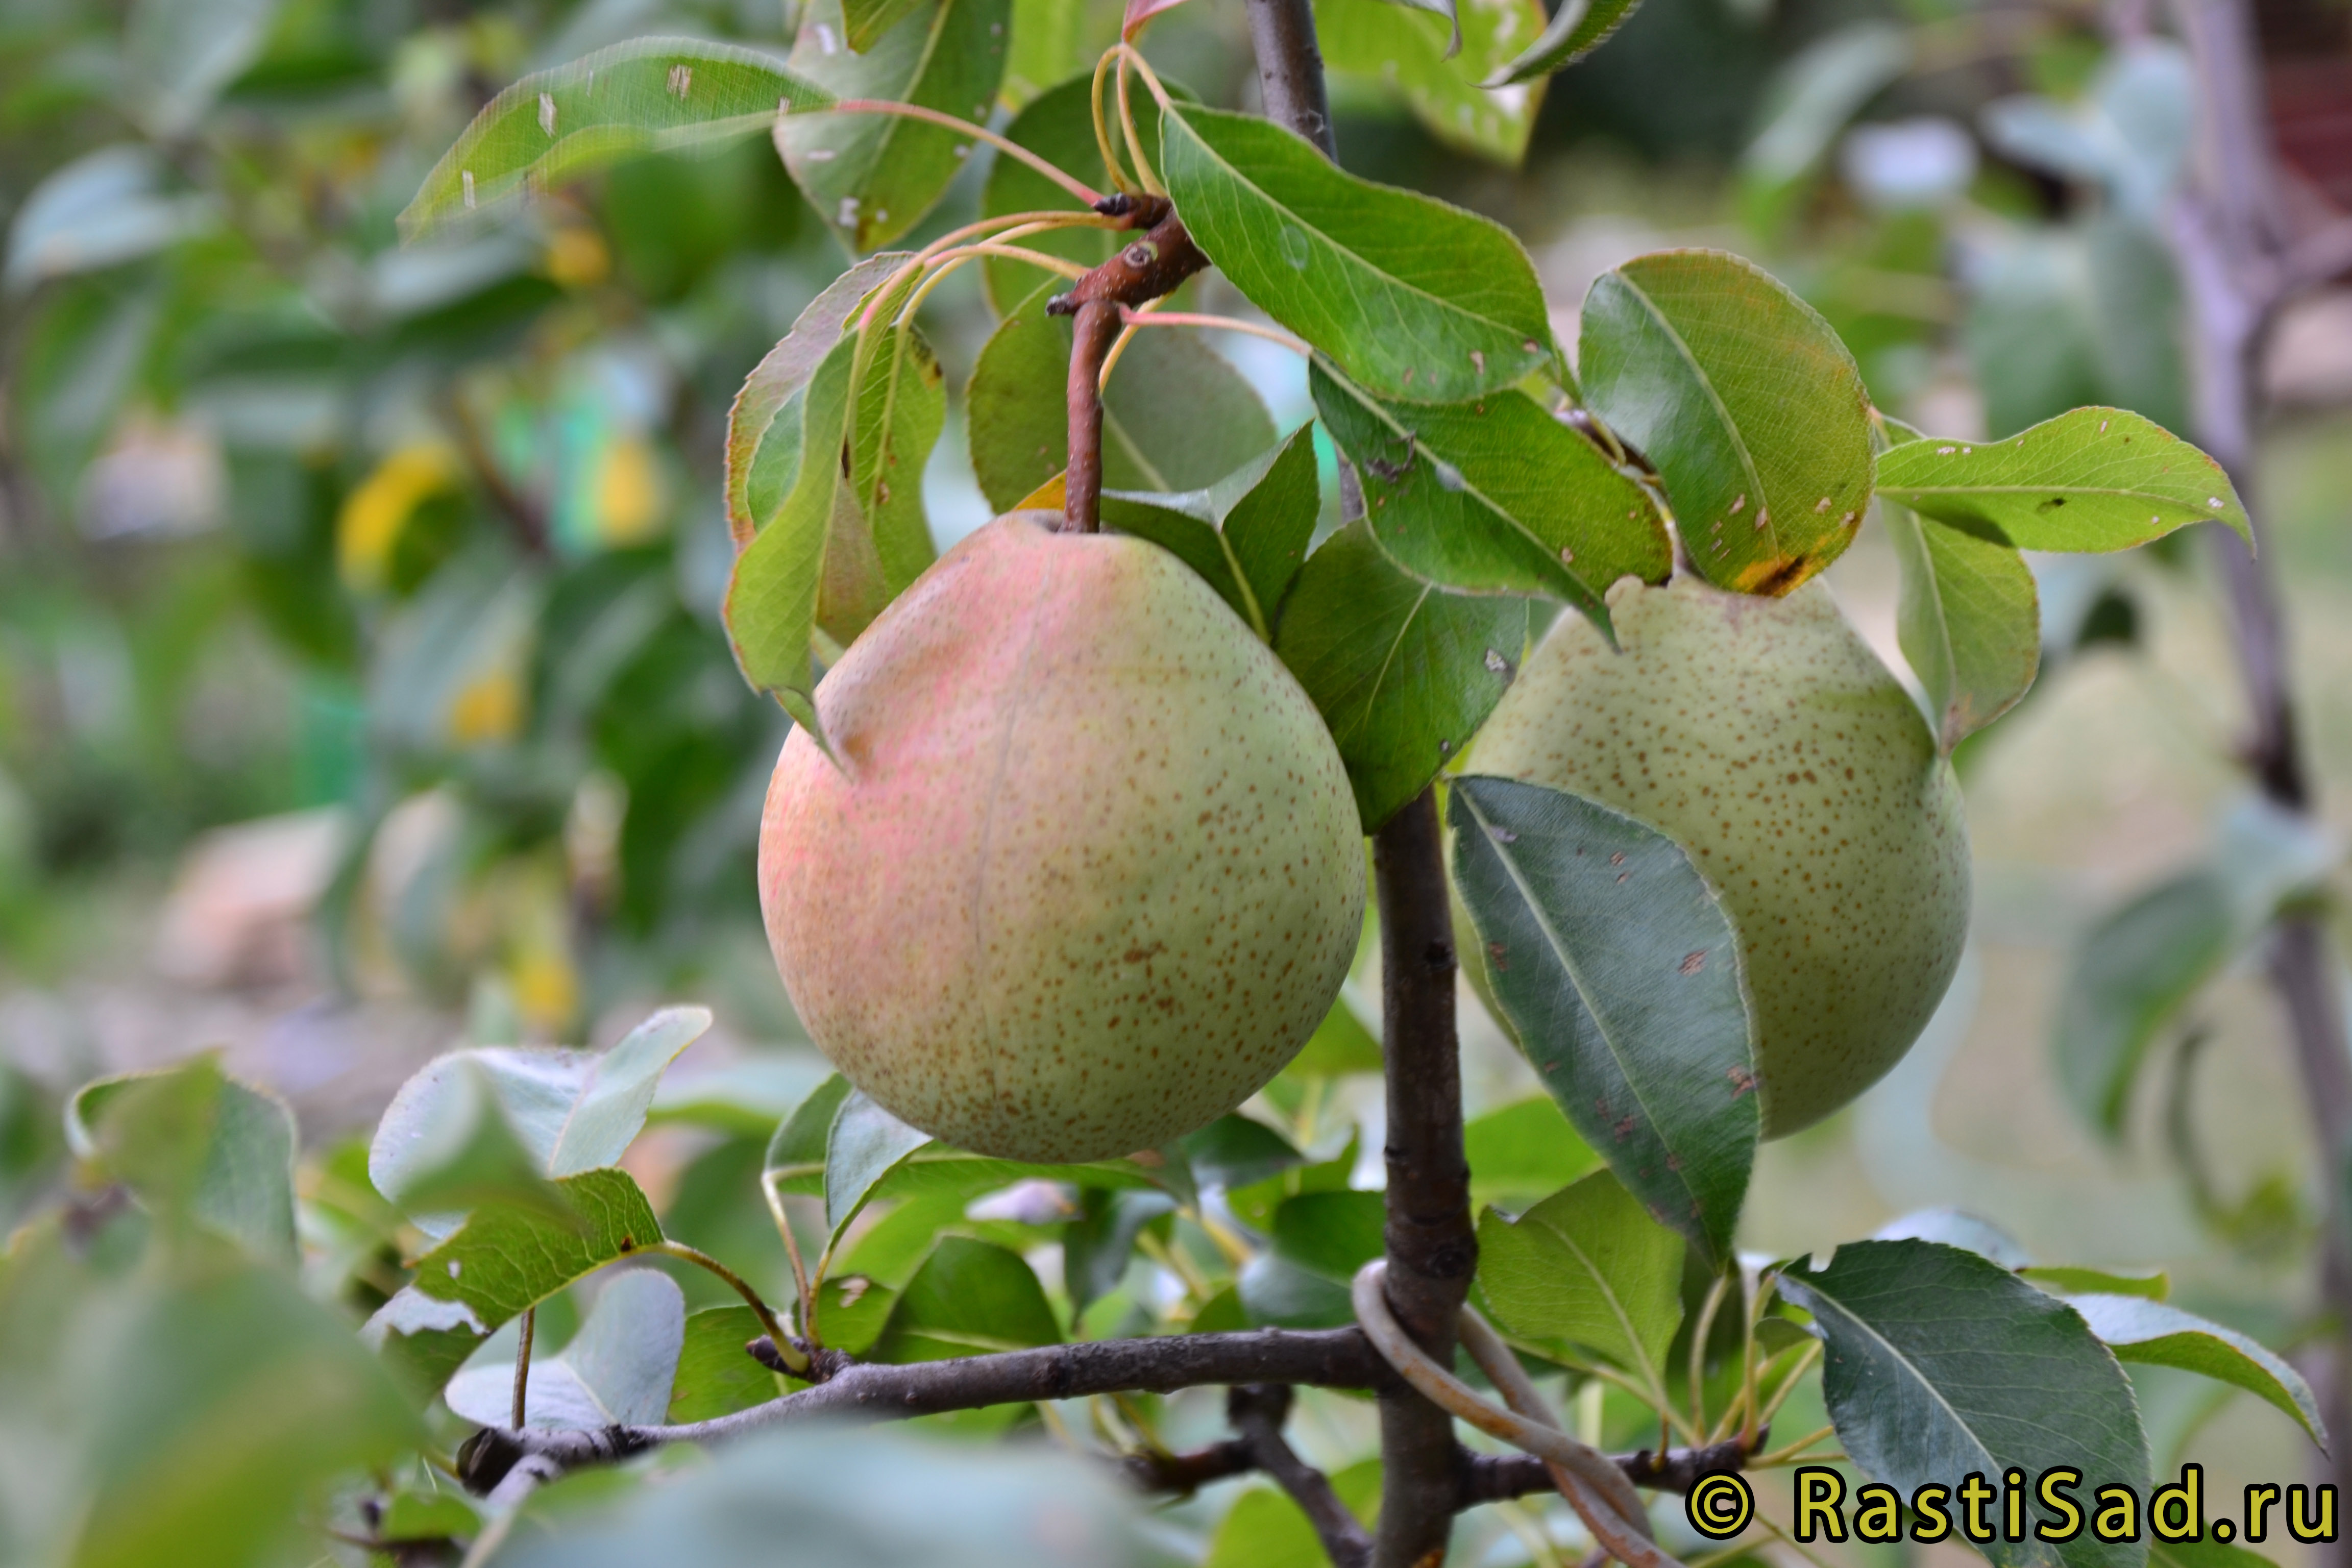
point(1764, 737)
point(1089, 871)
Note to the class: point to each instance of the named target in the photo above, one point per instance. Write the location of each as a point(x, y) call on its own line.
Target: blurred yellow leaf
point(375, 511)
point(628, 491)
point(488, 708)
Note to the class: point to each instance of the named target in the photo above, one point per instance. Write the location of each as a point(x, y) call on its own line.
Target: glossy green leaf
point(1246, 535)
point(468, 1156)
point(969, 1298)
point(1494, 496)
point(2067, 1280)
point(1925, 1348)
point(1618, 972)
point(715, 1376)
point(645, 96)
point(1969, 621)
point(1402, 671)
point(1523, 1152)
point(873, 176)
point(2095, 480)
point(191, 1142)
point(852, 1310)
point(855, 1498)
point(1319, 1238)
point(1746, 402)
point(1059, 126)
point(1098, 1243)
point(796, 1151)
point(2138, 1329)
point(437, 1516)
point(1587, 1267)
point(501, 1261)
point(572, 1110)
point(618, 1370)
point(1412, 298)
point(2130, 978)
point(1256, 1204)
point(1019, 423)
point(177, 1401)
point(1576, 29)
point(1436, 59)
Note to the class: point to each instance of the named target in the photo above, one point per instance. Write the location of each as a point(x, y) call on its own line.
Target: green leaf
point(1576, 29)
point(1098, 1243)
point(1620, 975)
point(2066, 1280)
point(1587, 1267)
point(748, 1098)
point(191, 1142)
point(1523, 1152)
point(1436, 60)
point(715, 1376)
point(1402, 671)
point(852, 1308)
point(1745, 401)
point(468, 1156)
point(2132, 974)
point(1412, 298)
point(797, 1150)
point(772, 601)
point(1048, 46)
point(969, 1298)
point(1969, 620)
point(2138, 1329)
point(178, 1402)
point(437, 1516)
point(502, 1261)
point(1319, 1238)
point(1815, 94)
point(850, 1499)
point(1019, 410)
point(866, 20)
point(1340, 1045)
point(1494, 495)
point(764, 427)
point(1957, 1227)
point(1246, 535)
point(616, 1371)
point(1265, 1529)
point(2095, 480)
point(1926, 1378)
point(873, 176)
point(1059, 126)
point(648, 95)
point(1235, 1151)
point(901, 407)
point(572, 1110)
point(868, 1143)
point(1254, 1205)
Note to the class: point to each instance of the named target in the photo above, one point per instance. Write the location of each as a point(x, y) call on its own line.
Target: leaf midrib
point(1324, 235)
point(1583, 992)
point(1905, 1362)
point(1714, 400)
point(1609, 1293)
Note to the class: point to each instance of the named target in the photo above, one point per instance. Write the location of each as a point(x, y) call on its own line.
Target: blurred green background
point(362, 689)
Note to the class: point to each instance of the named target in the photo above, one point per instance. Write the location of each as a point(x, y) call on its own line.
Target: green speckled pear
point(1766, 738)
point(1089, 873)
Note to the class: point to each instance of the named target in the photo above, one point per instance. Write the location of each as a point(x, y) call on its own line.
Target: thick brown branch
point(869, 1391)
point(1491, 1477)
point(1257, 1412)
point(1432, 1249)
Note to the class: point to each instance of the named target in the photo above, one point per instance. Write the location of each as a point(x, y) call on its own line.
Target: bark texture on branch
point(1257, 1412)
point(872, 1390)
point(1432, 1249)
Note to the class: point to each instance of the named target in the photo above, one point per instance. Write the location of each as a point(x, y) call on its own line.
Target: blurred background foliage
point(362, 689)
